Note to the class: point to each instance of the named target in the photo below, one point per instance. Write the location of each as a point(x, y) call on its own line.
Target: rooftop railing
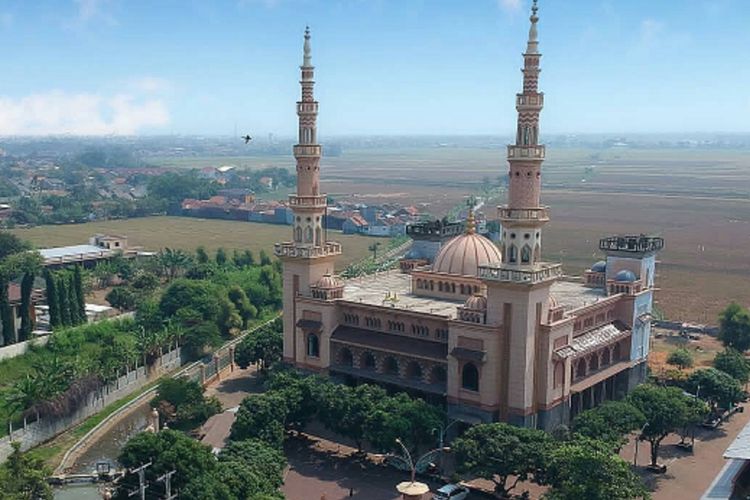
point(541, 273)
point(290, 249)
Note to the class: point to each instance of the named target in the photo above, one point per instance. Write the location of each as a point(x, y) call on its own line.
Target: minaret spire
point(523, 217)
point(307, 56)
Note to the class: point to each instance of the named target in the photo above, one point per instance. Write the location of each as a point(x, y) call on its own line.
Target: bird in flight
point(247, 139)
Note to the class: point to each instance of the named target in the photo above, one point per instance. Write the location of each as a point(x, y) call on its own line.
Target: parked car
point(451, 492)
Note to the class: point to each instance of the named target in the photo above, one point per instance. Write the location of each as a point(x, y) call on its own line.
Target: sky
point(210, 67)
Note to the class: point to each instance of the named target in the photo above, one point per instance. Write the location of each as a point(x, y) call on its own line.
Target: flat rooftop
point(72, 251)
point(372, 290)
point(573, 294)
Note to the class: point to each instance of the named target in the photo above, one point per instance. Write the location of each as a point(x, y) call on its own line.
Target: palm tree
point(374, 249)
point(174, 261)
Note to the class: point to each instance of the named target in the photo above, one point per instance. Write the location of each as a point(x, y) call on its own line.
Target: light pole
point(412, 490)
point(442, 430)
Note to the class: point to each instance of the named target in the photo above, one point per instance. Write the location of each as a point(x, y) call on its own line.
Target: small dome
point(476, 303)
point(626, 276)
point(328, 282)
point(599, 267)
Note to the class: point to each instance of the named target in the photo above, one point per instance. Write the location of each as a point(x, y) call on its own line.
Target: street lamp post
point(442, 431)
point(413, 490)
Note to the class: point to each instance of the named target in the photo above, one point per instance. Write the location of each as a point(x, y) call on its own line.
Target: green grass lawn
point(155, 233)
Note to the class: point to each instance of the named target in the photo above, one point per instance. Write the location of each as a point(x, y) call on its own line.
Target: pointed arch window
point(308, 235)
point(512, 254)
point(526, 254)
point(298, 234)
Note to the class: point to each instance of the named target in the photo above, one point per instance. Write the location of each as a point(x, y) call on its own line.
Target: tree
point(681, 358)
point(717, 388)
point(498, 451)
point(52, 299)
point(27, 326)
point(588, 469)
point(174, 262)
point(80, 293)
point(262, 417)
point(229, 320)
point(187, 407)
point(197, 337)
point(63, 299)
point(23, 477)
point(610, 422)
point(246, 310)
point(734, 327)
point(200, 255)
point(734, 363)
point(122, 298)
point(411, 420)
point(199, 296)
point(149, 317)
point(145, 281)
point(264, 460)
point(265, 260)
point(263, 346)
point(167, 450)
point(221, 256)
point(667, 409)
point(74, 303)
point(249, 258)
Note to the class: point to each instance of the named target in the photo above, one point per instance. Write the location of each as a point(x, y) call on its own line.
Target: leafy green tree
point(200, 255)
point(53, 301)
point(265, 347)
point(681, 358)
point(245, 308)
point(734, 327)
point(148, 316)
point(734, 363)
point(667, 410)
point(199, 296)
point(610, 422)
point(717, 388)
point(261, 417)
point(499, 451)
point(174, 262)
point(229, 320)
point(122, 298)
point(167, 450)
point(249, 259)
point(196, 338)
point(27, 325)
point(265, 260)
point(145, 281)
point(104, 273)
point(259, 457)
point(411, 420)
point(23, 477)
point(586, 469)
point(221, 256)
point(185, 407)
point(74, 303)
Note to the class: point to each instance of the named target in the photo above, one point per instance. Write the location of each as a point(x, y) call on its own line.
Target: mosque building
point(492, 332)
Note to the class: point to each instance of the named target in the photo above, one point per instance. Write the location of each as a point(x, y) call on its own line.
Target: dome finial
point(307, 59)
point(471, 226)
point(533, 37)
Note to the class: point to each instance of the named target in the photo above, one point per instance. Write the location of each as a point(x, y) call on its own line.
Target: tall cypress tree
point(78, 283)
point(53, 301)
point(6, 313)
point(27, 326)
point(75, 318)
point(63, 298)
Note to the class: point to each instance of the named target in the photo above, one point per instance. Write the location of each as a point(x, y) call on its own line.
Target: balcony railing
point(632, 243)
point(529, 101)
point(539, 214)
point(308, 201)
point(532, 152)
point(290, 249)
point(541, 273)
point(307, 150)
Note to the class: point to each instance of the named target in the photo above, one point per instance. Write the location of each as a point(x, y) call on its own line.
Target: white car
point(451, 492)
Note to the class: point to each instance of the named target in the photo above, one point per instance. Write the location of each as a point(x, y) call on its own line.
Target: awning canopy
point(591, 341)
point(398, 344)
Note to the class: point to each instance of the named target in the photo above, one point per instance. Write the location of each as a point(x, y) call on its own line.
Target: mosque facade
point(492, 331)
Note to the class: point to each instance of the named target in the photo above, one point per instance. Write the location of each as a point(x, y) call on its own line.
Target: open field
point(155, 233)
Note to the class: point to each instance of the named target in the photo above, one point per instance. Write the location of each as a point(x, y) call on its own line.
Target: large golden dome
point(464, 254)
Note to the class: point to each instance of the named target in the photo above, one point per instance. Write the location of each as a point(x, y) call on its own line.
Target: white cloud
point(510, 5)
point(89, 11)
point(57, 112)
point(650, 32)
point(151, 84)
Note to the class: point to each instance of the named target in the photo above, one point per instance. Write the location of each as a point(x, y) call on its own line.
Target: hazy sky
point(382, 66)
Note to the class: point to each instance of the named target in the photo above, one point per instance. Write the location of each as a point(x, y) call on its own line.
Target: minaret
point(524, 216)
point(308, 257)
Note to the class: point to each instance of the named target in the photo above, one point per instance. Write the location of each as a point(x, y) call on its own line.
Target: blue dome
point(625, 275)
point(599, 267)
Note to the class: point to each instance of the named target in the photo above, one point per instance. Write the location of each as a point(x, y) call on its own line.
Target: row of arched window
point(308, 232)
point(395, 326)
point(372, 322)
point(596, 361)
point(591, 321)
point(447, 287)
point(420, 330)
point(351, 319)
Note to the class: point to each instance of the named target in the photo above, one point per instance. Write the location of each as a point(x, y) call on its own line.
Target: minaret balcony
point(531, 275)
point(507, 214)
point(524, 102)
point(303, 150)
point(524, 152)
point(307, 107)
point(320, 201)
point(293, 250)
